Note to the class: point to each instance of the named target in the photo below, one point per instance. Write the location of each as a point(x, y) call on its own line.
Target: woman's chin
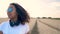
point(10, 18)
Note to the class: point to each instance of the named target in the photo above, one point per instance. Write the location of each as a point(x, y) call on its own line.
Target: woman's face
point(11, 12)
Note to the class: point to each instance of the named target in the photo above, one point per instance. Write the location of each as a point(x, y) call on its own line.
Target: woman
point(18, 23)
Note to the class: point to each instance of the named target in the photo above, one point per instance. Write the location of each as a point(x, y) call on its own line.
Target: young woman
point(18, 23)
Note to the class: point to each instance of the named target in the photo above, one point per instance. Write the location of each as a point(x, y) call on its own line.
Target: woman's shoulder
point(4, 23)
point(26, 25)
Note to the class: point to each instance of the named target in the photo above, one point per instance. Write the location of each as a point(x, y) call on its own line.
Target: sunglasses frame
point(10, 9)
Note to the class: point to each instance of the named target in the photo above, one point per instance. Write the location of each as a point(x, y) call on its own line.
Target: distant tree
point(38, 17)
point(44, 17)
point(49, 17)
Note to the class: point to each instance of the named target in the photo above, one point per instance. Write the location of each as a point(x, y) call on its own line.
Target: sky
point(35, 8)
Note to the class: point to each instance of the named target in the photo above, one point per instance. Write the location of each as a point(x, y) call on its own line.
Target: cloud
point(58, 8)
point(57, 0)
point(52, 3)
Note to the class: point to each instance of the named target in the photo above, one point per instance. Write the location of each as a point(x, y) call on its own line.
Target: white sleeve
point(1, 26)
point(27, 28)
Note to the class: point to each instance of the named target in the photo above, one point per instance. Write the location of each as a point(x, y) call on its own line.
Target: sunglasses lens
point(10, 9)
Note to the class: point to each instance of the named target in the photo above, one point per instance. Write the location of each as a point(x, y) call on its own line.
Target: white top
point(7, 29)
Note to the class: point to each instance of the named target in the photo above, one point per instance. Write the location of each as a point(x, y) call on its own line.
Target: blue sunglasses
point(10, 9)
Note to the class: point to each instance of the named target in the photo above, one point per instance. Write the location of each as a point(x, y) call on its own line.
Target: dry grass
point(47, 26)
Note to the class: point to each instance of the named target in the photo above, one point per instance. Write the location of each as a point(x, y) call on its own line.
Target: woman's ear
point(1, 32)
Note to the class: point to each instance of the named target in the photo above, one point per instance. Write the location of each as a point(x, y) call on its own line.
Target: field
point(42, 26)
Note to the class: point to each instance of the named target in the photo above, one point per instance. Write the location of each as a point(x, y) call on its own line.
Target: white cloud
point(57, 0)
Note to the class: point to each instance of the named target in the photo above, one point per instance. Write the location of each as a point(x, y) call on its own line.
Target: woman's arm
point(1, 32)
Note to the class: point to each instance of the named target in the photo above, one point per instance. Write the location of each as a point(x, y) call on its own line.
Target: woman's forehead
point(11, 6)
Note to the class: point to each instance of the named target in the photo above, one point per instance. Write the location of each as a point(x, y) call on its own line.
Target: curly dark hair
point(22, 13)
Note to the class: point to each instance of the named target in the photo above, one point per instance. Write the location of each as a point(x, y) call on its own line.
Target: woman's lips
point(9, 15)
